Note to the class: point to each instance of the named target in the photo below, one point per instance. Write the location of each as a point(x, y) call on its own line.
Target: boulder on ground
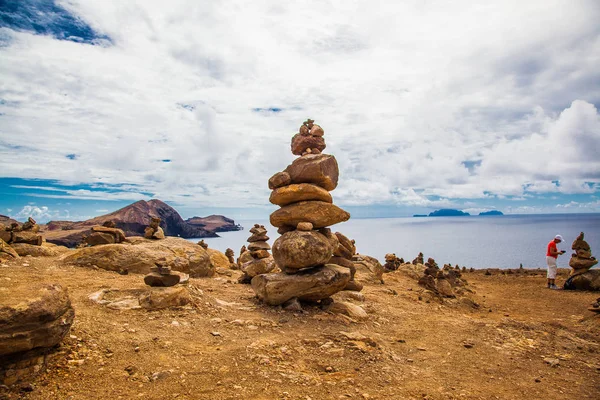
point(589, 280)
point(319, 213)
point(218, 259)
point(308, 285)
point(24, 249)
point(8, 250)
point(300, 249)
point(179, 254)
point(346, 308)
point(27, 237)
point(159, 298)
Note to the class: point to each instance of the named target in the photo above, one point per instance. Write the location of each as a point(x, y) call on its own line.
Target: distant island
point(420, 215)
point(448, 212)
point(492, 212)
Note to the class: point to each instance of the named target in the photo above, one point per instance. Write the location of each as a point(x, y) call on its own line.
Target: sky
point(425, 104)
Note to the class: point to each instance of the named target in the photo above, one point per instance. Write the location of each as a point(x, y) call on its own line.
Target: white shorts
point(551, 262)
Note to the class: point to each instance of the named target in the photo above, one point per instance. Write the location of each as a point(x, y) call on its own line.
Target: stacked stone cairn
point(203, 244)
point(231, 257)
point(26, 233)
point(392, 262)
point(257, 259)
point(343, 255)
point(581, 260)
point(154, 231)
point(438, 282)
point(105, 234)
point(418, 260)
point(161, 275)
point(306, 245)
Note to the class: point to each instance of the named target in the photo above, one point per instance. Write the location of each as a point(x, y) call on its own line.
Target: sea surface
point(475, 241)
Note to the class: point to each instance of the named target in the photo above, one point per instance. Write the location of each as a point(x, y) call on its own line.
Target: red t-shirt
point(551, 245)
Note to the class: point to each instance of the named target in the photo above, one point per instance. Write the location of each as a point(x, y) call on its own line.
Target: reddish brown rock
point(99, 238)
point(304, 226)
point(301, 143)
point(318, 213)
point(258, 266)
point(279, 179)
point(298, 249)
point(27, 237)
point(254, 246)
point(118, 234)
point(316, 130)
point(320, 169)
point(299, 192)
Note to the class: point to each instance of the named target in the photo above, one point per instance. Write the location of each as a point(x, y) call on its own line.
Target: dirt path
point(228, 346)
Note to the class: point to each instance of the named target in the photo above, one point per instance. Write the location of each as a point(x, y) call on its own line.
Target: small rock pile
point(595, 306)
point(581, 261)
point(306, 244)
point(230, 256)
point(440, 283)
point(257, 259)
point(154, 231)
point(203, 244)
point(26, 233)
point(161, 275)
point(105, 234)
point(418, 260)
point(392, 262)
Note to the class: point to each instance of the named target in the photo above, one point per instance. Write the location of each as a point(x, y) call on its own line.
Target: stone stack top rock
point(309, 139)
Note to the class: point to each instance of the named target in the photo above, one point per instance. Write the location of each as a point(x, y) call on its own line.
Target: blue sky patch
point(45, 17)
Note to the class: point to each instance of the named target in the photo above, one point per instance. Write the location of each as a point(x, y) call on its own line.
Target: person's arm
point(554, 252)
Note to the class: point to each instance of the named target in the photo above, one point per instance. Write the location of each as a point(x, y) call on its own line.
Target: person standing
point(552, 254)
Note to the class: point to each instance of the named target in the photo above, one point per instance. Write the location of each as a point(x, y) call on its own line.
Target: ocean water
point(478, 242)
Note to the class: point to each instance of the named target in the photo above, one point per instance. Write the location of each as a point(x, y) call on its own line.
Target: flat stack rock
point(256, 260)
point(305, 250)
point(26, 233)
point(161, 275)
point(105, 234)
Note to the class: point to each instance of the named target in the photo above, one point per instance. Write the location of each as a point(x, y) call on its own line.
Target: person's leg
point(551, 262)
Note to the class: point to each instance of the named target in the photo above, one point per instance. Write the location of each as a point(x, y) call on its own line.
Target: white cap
point(558, 237)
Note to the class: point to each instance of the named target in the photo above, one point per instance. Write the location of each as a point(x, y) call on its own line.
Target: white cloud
point(408, 93)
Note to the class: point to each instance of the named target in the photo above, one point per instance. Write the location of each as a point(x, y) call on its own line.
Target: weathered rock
point(24, 249)
point(9, 250)
point(348, 309)
point(299, 192)
point(279, 179)
point(203, 244)
point(158, 234)
point(179, 254)
point(244, 258)
point(589, 280)
point(444, 288)
point(258, 266)
point(256, 238)
point(298, 249)
point(300, 143)
point(159, 280)
point(99, 238)
point(27, 237)
point(320, 169)
point(308, 285)
point(159, 298)
point(30, 225)
point(39, 319)
point(578, 263)
point(218, 259)
point(260, 254)
point(230, 255)
point(316, 130)
point(6, 236)
point(118, 234)
point(318, 213)
point(354, 286)
point(371, 263)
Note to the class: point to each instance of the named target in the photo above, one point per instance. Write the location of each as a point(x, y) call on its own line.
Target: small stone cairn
point(154, 231)
point(160, 275)
point(108, 233)
point(581, 260)
point(203, 244)
point(257, 259)
point(440, 283)
point(306, 244)
point(418, 260)
point(230, 256)
point(26, 233)
point(392, 262)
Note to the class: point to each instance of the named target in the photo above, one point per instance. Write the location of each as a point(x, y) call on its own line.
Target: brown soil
point(228, 346)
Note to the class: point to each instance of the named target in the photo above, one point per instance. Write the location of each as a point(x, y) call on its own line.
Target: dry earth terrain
point(514, 340)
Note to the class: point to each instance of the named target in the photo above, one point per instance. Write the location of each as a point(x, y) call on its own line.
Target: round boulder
point(301, 249)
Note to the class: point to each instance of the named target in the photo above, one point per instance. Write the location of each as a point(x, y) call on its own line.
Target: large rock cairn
point(306, 245)
point(105, 234)
point(581, 260)
point(257, 259)
point(154, 231)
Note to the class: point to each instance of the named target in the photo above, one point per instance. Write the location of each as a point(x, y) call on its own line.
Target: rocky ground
point(512, 339)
